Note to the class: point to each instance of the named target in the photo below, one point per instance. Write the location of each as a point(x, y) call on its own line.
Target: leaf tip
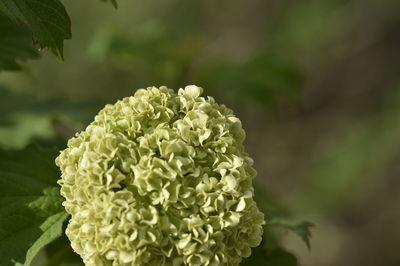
point(114, 3)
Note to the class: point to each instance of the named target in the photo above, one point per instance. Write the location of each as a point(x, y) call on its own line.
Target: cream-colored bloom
point(161, 178)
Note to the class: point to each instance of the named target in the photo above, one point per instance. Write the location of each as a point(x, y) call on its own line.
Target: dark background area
point(315, 83)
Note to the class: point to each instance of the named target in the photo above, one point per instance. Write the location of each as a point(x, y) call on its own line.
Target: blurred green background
point(316, 84)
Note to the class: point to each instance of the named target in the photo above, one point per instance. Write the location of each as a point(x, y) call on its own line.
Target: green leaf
point(276, 257)
point(52, 229)
point(47, 19)
point(277, 217)
point(31, 214)
point(15, 44)
point(302, 228)
point(61, 253)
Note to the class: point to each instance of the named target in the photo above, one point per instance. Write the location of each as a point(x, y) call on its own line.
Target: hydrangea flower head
point(161, 178)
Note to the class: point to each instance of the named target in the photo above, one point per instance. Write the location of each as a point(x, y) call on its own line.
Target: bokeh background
point(316, 84)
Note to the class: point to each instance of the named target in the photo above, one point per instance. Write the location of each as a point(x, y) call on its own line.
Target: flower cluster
point(161, 178)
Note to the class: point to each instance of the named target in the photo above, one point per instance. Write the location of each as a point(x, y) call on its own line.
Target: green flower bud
point(161, 179)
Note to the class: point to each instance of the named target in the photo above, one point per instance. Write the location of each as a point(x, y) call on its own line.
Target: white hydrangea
point(161, 178)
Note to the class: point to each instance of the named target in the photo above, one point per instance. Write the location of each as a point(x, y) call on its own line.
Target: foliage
point(15, 44)
point(30, 203)
point(26, 117)
point(277, 257)
point(47, 19)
